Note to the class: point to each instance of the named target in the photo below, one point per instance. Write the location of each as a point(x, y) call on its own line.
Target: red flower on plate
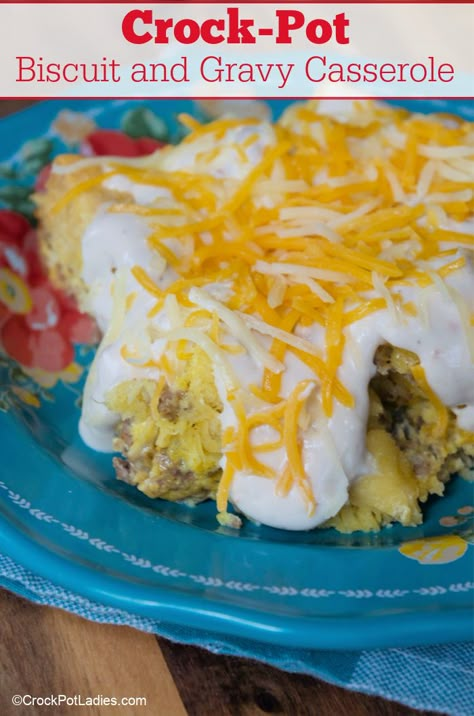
point(38, 323)
point(107, 142)
point(115, 143)
point(43, 177)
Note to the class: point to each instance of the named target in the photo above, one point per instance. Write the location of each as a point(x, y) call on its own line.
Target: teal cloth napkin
point(435, 678)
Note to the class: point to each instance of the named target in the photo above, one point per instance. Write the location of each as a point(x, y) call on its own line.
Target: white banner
point(237, 50)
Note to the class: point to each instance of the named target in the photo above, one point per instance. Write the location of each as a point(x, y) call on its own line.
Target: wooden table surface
point(46, 651)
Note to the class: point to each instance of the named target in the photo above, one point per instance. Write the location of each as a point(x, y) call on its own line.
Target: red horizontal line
point(242, 2)
point(248, 97)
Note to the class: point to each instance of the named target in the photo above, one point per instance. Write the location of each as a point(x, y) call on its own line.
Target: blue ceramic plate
point(63, 515)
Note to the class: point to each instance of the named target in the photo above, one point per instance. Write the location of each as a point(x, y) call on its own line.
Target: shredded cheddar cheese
point(144, 280)
point(323, 230)
point(296, 469)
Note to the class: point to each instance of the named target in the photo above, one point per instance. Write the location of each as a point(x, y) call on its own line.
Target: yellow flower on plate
point(71, 374)
point(26, 396)
point(14, 292)
point(435, 550)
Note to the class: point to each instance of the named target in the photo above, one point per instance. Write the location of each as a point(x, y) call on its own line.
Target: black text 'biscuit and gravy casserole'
point(287, 311)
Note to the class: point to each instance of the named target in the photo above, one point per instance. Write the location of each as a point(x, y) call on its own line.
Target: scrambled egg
point(170, 434)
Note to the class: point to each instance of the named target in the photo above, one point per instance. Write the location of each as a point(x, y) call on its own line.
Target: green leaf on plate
point(7, 172)
point(14, 193)
point(27, 208)
point(35, 155)
point(142, 122)
point(17, 198)
point(37, 148)
point(34, 165)
point(468, 535)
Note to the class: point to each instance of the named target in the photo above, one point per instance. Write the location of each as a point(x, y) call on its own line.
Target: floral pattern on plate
point(39, 325)
point(446, 548)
